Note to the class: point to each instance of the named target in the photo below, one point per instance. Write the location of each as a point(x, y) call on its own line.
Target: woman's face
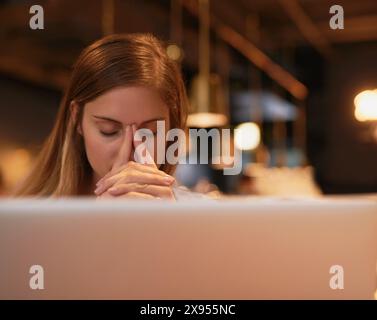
point(105, 119)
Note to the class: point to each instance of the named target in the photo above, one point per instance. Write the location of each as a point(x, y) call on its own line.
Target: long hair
point(62, 168)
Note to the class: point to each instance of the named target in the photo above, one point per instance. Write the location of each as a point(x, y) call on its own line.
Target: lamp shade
point(207, 112)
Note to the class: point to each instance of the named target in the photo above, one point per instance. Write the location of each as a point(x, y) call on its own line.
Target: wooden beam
point(307, 27)
point(254, 54)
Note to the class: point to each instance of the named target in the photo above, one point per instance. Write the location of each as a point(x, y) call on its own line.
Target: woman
point(119, 84)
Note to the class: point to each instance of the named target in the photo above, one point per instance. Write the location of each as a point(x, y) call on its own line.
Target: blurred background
point(302, 95)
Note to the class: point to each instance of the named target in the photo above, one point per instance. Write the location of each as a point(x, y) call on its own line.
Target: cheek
point(100, 153)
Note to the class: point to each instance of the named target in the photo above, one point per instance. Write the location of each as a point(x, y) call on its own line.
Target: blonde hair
point(62, 168)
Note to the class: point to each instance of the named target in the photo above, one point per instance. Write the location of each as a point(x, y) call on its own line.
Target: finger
point(125, 150)
point(124, 153)
point(135, 177)
point(148, 159)
point(111, 173)
point(105, 195)
point(140, 174)
point(145, 178)
point(154, 190)
point(139, 195)
point(137, 166)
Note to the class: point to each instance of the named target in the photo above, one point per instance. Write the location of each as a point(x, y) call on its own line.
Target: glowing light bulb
point(174, 52)
point(247, 136)
point(366, 105)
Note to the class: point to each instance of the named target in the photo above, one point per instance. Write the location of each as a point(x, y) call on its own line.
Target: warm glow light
point(247, 136)
point(174, 52)
point(375, 133)
point(15, 164)
point(366, 105)
point(206, 120)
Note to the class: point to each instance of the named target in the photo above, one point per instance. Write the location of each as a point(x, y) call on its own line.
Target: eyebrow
point(106, 119)
point(118, 122)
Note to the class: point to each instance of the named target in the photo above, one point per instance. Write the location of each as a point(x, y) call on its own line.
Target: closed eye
point(108, 134)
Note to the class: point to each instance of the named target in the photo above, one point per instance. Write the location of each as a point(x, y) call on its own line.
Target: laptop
point(240, 248)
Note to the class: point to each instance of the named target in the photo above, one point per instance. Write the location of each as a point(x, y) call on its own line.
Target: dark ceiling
point(45, 56)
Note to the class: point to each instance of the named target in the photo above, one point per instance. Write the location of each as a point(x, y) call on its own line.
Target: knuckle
point(142, 186)
point(124, 187)
point(130, 176)
point(135, 187)
point(123, 176)
point(106, 183)
point(131, 187)
point(130, 164)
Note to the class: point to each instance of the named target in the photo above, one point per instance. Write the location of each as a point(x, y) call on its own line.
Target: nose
point(125, 152)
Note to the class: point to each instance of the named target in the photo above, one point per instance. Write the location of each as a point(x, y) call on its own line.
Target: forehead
point(129, 105)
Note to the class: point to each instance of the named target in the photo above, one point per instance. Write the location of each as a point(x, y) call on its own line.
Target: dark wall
point(341, 148)
point(27, 113)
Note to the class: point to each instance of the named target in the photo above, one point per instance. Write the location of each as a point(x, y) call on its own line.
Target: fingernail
point(112, 189)
point(99, 182)
point(168, 179)
point(98, 190)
